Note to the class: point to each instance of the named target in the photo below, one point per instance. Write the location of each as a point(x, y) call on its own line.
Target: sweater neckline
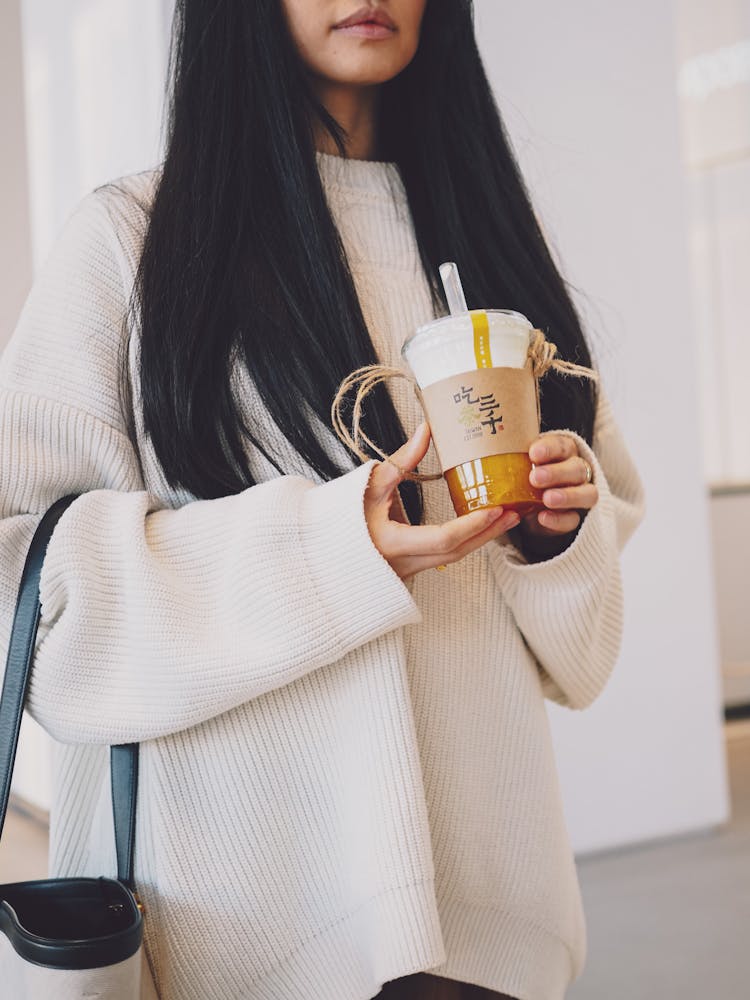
point(381, 178)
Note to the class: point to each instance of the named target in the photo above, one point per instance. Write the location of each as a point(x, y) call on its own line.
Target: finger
point(572, 472)
point(386, 476)
point(416, 564)
point(572, 497)
point(509, 520)
point(395, 508)
point(552, 448)
point(438, 539)
point(560, 522)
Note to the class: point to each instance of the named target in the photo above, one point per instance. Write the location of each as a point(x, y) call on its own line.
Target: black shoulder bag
point(66, 938)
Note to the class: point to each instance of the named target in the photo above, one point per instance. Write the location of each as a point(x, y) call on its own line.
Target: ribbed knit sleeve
point(570, 608)
point(156, 619)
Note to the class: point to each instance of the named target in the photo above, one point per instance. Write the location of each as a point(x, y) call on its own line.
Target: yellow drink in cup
point(496, 481)
point(480, 399)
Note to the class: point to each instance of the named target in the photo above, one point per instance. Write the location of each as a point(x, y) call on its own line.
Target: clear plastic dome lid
point(445, 346)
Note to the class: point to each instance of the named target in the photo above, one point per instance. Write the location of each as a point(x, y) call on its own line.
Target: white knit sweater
point(344, 779)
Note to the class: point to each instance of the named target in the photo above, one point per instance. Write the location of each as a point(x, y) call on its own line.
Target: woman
point(347, 782)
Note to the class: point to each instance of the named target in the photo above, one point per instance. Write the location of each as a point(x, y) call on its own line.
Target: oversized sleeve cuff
point(570, 607)
point(360, 593)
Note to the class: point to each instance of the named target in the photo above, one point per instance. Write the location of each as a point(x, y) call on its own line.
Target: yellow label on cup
point(481, 325)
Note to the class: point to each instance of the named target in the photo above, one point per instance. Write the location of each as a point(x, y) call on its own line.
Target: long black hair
point(241, 255)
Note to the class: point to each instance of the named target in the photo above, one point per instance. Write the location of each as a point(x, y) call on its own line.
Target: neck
point(355, 109)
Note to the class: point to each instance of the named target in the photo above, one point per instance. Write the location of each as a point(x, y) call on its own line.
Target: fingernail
point(495, 513)
point(538, 477)
point(554, 496)
point(513, 519)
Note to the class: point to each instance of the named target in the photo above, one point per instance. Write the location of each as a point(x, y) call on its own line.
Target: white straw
point(454, 293)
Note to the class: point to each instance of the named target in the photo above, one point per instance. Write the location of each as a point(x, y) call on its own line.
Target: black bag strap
point(124, 758)
point(123, 762)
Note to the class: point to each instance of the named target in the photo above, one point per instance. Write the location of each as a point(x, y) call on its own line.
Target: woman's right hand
point(409, 549)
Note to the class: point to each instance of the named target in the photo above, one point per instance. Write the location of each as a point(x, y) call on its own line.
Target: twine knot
point(543, 356)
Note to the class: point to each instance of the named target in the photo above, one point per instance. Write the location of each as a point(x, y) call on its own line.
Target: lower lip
point(368, 30)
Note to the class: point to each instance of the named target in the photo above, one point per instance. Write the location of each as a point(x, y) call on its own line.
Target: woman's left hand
point(564, 476)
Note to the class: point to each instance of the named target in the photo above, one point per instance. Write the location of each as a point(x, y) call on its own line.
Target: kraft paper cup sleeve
point(482, 412)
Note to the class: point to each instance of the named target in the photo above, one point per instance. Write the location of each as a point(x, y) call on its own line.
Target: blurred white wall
point(713, 46)
point(15, 247)
point(714, 87)
point(81, 87)
point(94, 75)
point(32, 771)
point(589, 92)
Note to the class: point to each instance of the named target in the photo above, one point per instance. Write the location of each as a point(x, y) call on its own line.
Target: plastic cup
point(480, 400)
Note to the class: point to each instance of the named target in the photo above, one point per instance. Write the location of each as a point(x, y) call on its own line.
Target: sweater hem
point(503, 950)
point(401, 926)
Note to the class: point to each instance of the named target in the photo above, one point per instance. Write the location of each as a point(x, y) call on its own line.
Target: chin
point(368, 79)
point(369, 73)
point(365, 68)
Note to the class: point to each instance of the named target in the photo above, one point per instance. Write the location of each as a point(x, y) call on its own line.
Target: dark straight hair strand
point(241, 254)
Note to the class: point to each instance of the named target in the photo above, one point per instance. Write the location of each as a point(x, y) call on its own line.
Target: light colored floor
point(672, 921)
point(666, 922)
